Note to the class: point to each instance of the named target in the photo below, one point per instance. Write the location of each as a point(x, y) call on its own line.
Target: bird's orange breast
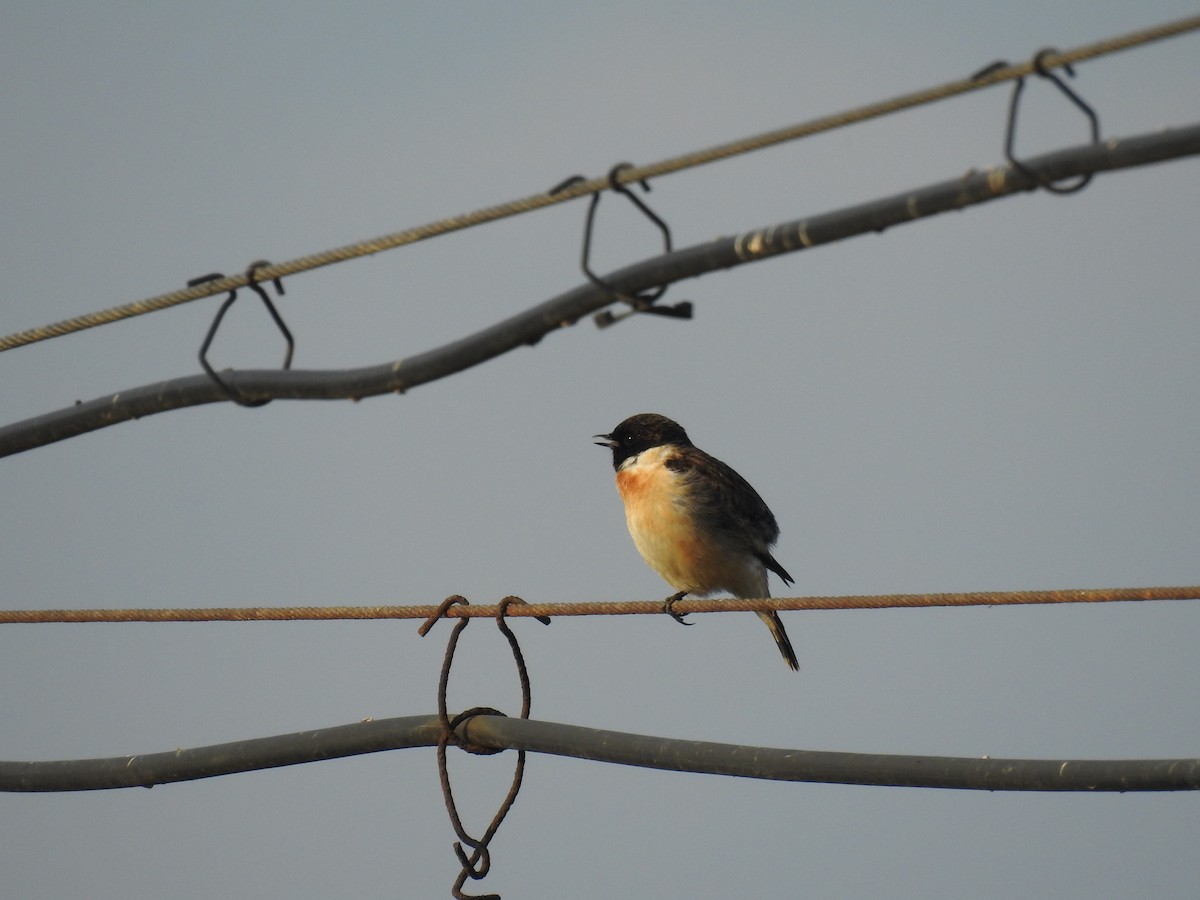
point(658, 513)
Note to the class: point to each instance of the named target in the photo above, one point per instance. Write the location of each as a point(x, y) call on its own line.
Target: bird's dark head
point(641, 432)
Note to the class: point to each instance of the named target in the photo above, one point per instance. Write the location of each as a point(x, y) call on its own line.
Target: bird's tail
point(773, 622)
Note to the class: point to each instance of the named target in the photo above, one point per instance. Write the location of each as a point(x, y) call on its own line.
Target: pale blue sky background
point(1003, 398)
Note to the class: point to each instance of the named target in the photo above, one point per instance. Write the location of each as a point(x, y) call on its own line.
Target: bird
point(695, 521)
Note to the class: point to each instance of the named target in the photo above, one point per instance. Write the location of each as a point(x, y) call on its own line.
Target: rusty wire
point(478, 863)
point(991, 75)
point(618, 608)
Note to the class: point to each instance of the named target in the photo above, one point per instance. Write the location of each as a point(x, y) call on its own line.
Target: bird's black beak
point(604, 440)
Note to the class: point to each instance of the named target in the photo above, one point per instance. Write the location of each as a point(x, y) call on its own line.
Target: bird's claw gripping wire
point(669, 608)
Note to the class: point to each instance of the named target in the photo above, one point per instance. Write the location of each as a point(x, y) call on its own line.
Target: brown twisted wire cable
point(618, 608)
point(992, 75)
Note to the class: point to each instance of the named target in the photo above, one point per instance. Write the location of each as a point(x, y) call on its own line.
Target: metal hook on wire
point(251, 282)
point(646, 301)
point(1039, 66)
point(477, 863)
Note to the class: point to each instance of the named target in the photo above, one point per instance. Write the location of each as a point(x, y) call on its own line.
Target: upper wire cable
point(985, 78)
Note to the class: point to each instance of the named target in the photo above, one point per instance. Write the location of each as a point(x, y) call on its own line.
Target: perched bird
point(696, 521)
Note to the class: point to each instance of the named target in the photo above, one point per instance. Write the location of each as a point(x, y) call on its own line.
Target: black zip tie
point(228, 390)
point(477, 863)
point(1039, 66)
point(644, 302)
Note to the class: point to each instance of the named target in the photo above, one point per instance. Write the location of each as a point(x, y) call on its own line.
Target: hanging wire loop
point(1039, 68)
point(646, 301)
point(475, 864)
point(252, 283)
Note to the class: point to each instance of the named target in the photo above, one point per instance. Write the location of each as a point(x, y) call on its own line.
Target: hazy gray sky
point(999, 399)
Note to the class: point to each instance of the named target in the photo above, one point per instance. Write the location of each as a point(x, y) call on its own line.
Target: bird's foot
point(669, 607)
